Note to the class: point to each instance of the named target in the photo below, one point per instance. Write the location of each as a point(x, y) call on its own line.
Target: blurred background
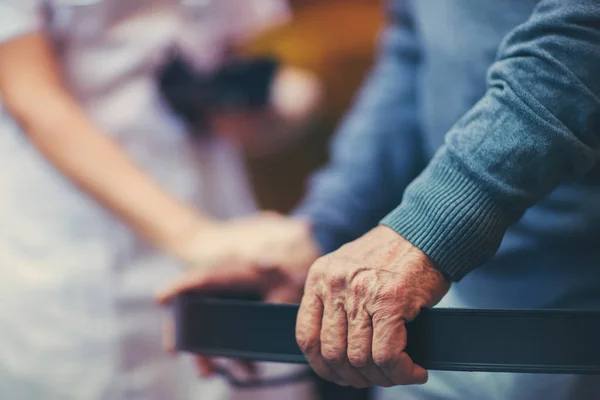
point(185, 90)
point(334, 40)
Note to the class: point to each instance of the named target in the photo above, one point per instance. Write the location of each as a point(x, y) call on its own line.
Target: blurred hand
point(268, 254)
point(273, 284)
point(264, 240)
point(351, 323)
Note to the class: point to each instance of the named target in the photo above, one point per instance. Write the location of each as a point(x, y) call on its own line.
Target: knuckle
point(389, 294)
point(306, 344)
point(361, 284)
point(312, 280)
point(385, 360)
point(336, 280)
point(359, 359)
point(333, 356)
point(386, 302)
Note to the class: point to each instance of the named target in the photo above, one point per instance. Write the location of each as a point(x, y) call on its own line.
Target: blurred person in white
point(103, 197)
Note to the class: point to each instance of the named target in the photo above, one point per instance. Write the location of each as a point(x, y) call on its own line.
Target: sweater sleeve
point(377, 143)
point(537, 125)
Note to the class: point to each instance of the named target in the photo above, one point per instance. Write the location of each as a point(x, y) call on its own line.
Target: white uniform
point(77, 320)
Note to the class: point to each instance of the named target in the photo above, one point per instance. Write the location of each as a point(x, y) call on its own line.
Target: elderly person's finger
point(334, 333)
point(308, 336)
point(389, 342)
point(360, 342)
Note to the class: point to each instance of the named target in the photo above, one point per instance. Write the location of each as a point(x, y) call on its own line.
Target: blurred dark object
point(179, 86)
point(244, 84)
point(240, 84)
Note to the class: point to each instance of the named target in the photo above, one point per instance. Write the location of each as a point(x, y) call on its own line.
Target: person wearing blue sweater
point(467, 174)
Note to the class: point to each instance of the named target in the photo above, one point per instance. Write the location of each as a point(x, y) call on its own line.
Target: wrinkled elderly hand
point(351, 323)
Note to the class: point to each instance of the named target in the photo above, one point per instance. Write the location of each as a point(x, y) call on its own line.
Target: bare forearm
point(59, 128)
point(98, 166)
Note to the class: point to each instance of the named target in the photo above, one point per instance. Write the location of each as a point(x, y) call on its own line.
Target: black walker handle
point(537, 341)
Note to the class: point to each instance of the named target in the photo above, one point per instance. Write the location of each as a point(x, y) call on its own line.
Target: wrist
point(414, 261)
point(182, 236)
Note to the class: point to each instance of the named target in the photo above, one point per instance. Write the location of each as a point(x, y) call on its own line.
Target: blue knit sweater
point(480, 121)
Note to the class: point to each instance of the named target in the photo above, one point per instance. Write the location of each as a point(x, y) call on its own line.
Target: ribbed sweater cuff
point(451, 219)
